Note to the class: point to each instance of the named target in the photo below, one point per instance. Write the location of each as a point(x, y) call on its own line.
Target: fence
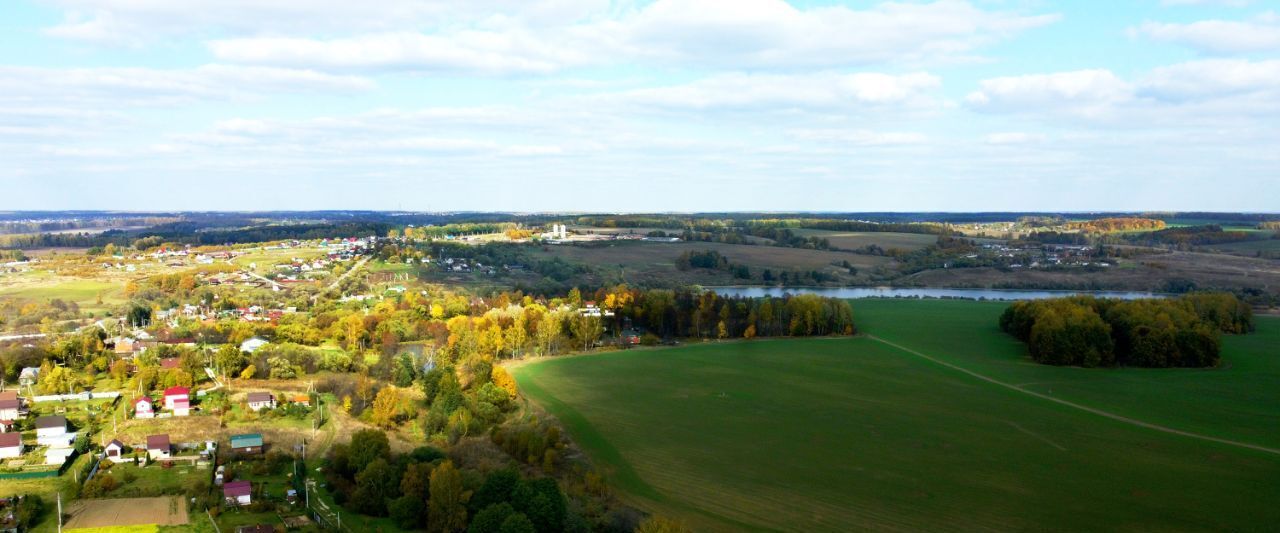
point(33, 474)
point(80, 396)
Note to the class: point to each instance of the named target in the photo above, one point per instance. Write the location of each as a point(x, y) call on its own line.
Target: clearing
point(856, 433)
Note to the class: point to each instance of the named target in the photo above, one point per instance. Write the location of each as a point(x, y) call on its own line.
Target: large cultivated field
point(934, 422)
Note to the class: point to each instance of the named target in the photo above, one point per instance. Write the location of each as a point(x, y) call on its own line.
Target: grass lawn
point(845, 434)
point(155, 480)
point(1239, 401)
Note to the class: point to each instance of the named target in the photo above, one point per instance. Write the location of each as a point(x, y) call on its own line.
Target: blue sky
point(670, 105)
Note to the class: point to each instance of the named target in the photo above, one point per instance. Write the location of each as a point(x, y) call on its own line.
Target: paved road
point(1085, 408)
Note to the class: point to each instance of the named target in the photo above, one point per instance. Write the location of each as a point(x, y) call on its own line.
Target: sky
point(630, 106)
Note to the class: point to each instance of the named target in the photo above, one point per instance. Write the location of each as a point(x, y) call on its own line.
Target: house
point(114, 451)
point(58, 455)
point(170, 363)
point(253, 344)
point(52, 431)
point(247, 443)
point(182, 407)
point(173, 394)
point(29, 376)
point(261, 400)
point(9, 409)
point(9, 395)
point(158, 446)
point(126, 346)
point(10, 445)
point(303, 400)
point(143, 408)
point(238, 493)
point(6, 426)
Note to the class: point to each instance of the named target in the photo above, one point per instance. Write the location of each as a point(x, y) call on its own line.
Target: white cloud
point(1085, 92)
point(1231, 3)
point(1014, 138)
point(782, 91)
point(859, 137)
point(1204, 92)
point(148, 86)
point(140, 21)
point(494, 52)
point(1213, 79)
point(1218, 36)
point(752, 34)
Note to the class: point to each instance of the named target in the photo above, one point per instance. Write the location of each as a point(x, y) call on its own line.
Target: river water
point(903, 292)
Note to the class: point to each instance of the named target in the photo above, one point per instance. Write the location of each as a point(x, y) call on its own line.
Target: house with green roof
point(246, 443)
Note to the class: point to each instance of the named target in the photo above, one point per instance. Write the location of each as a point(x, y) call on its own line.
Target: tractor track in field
point(1085, 408)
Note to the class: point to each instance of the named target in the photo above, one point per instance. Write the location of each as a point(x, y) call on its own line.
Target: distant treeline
point(1090, 332)
point(448, 230)
point(705, 314)
point(195, 234)
point(39, 226)
point(1190, 236)
point(1107, 225)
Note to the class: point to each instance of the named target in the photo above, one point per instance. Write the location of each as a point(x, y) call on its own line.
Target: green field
point(849, 240)
point(841, 434)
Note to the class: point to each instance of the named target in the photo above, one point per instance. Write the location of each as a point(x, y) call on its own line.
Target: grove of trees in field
point(1088, 331)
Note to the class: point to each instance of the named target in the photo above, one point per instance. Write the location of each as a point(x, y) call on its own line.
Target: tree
point(504, 381)
point(497, 488)
point(367, 445)
point(405, 370)
point(445, 510)
point(541, 501)
point(375, 484)
point(517, 523)
point(586, 329)
point(660, 524)
point(248, 372)
point(229, 359)
point(386, 407)
point(490, 519)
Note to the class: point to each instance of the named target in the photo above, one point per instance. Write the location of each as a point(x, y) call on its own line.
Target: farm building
point(172, 394)
point(247, 443)
point(261, 400)
point(9, 409)
point(114, 450)
point(58, 455)
point(158, 446)
point(52, 431)
point(238, 493)
point(181, 407)
point(143, 408)
point(302, 399)
point(10, 445)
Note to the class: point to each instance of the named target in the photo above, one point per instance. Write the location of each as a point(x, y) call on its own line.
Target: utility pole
point(59, 511)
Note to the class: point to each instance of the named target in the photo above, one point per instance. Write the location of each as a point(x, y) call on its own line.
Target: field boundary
point(1085, 408)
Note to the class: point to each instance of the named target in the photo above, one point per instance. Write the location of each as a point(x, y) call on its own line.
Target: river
point(904, 292)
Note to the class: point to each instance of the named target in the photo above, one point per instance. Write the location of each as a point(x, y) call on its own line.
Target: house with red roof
point(238, 493)
point(143, 408)
point(10, 445)
point(158, 446)
point(172, 394)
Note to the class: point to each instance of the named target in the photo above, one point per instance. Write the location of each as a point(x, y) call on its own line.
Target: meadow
point(879, 432)
point(849, 240)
